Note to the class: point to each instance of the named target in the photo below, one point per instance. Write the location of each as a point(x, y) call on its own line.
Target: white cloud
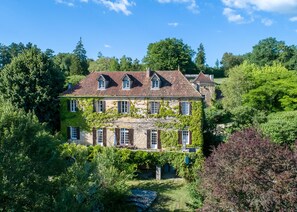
point(233, 16)
point(114, 5)
point(173, 24)
point(192, 5)
point(107, 46)
point(293, 19)
point(266, 21)
point(279, 6)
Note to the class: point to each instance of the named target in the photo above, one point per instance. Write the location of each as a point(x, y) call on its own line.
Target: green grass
point(219, 80)
point(173, 194)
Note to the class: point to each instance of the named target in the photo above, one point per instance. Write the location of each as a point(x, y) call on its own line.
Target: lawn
point(172, 193)
point(219, 80)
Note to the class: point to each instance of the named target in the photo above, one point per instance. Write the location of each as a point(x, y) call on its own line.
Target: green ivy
point(86, 119)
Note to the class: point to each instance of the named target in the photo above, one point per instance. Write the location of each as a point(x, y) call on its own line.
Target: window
point(155, 82)
point(100, 106)
point(100, 136)
point(123, 107)
point(185, 108)
point(124, 136)
point(154, 107)
point(185, 137)
point(154, 139)
point(72, 105)
point(73, 133)
point(126, 83)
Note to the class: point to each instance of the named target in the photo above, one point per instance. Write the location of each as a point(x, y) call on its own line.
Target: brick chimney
point(148, 72)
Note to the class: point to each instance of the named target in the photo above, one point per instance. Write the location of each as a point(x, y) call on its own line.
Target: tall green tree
point(170, 54)
point(33, 82)
point(230, 60)
point(126, 63)
point(80, 62)
point(11, 51)
point(30, 162)
point(200, 59)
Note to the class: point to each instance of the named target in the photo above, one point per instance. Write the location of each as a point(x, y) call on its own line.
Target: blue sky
point(126, 27)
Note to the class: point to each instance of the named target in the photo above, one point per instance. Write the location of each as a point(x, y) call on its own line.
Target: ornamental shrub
point(249, 173)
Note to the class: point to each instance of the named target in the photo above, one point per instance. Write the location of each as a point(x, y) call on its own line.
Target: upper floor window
point(99, 106)
point(185, 108)
point(155, 82)
point(73, 106)
point(126, 83)
point(123, 107)
point(154, 107)
point(154, 139)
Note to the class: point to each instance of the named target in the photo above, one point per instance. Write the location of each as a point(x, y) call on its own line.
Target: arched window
point(126, 83)
point(155, 82)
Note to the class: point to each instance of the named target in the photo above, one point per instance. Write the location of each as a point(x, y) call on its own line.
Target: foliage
point(281, 127)
point(74, 80)
point(32, 81)
point(200, 59)
point(93, 183)
point(170, 54)
point(230, 60)
point(30, 161)
point(80, 65)
point(248, 173)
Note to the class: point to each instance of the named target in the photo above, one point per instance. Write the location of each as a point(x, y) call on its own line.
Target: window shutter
point(148, 139)
point(131, 136)
point(68, 105)
point(119, 106)
point(180, 141)
point(68, 132)
point(128, 104)
point(159, 139)
point(180, 108)
point(76, 105)
point(78, 133)
point(190, 137)
point(94, 136)
point(104, 137)
point(94, 105)
point(158, 105)
point(149, 109)
point(104, 106)
point(190, 108)
point(117, 134)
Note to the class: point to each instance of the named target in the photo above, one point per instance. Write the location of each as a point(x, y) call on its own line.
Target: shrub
point(248, 173)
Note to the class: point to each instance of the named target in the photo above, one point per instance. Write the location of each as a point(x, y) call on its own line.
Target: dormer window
point(155, 82)
point(102, 83)
point(126, 83)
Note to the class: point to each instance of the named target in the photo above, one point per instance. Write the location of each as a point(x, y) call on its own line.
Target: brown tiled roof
point(173, 84)
point(202, 78)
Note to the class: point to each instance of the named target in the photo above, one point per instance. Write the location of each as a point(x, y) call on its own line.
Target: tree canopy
point(170, 54)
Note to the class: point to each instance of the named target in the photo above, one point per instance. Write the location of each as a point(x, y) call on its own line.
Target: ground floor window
point(100, 136)
point(154, 139)
point(124, 136)
point(73, 133)
point(185, 137)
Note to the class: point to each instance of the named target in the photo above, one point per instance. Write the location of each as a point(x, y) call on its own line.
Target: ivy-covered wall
point(169, 121)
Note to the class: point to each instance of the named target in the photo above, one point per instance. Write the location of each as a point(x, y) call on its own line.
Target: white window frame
point(185, 137)
point(154, 139)
point(124, 107)
point(154, 107)
point(100, 136)
point(126, 83)
point(185, 108)
point(101, 84)
point(124, 136)
point(100, 105)
point(73, 133)
point(155, 83)
point(73, 105)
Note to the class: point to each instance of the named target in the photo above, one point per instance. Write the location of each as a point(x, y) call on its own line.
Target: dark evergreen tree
point(80, 68)
point(200, 58)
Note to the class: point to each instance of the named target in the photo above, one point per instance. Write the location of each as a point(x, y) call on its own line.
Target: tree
point(126, 63)
point(11, 51)
point(104, 64)
point(33, 82)
point(170, 54)
point(281, 127)
point(200, 58)
point(248, 173)
point(230, 60)
point(80, 54)
point(30, 161)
